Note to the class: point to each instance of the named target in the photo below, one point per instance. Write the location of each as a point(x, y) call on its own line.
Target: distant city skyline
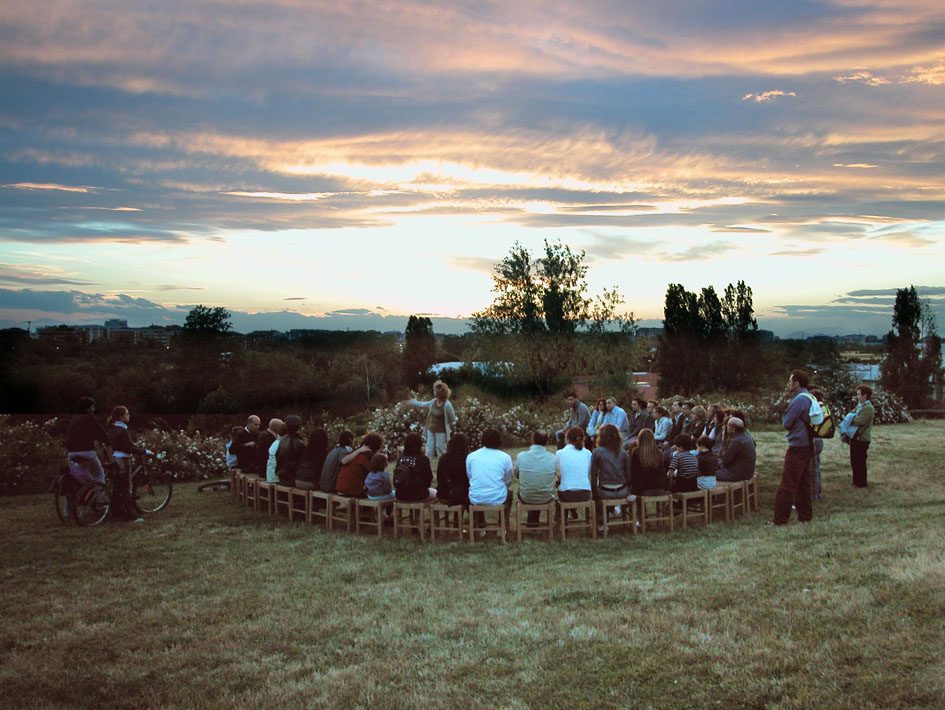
point(355, 163)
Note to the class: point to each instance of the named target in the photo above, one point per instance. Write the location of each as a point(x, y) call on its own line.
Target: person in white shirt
point(573, 464)
point(489, 470)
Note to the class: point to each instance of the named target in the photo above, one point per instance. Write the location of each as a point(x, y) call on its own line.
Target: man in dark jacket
point(738, 454)
point(244, 445)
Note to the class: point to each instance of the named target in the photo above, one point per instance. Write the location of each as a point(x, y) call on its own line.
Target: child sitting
point(377, 483)
point(684, 467)
point(708, 463)
point(231, 461)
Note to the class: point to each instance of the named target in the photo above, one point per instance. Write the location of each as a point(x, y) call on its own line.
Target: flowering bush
point(191, 457)
point(520, 421)
point(30, 457)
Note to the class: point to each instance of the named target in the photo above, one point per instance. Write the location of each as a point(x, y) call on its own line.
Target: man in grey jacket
point(797, 471)
point(578, 416)
point(738, 455)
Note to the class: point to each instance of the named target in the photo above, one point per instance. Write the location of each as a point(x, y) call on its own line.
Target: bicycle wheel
point(152, 489)
point(60, 498)
point(91, 504)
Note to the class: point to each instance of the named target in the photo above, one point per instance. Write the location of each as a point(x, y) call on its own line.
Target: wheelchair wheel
point(152, 488)
point(91, 504)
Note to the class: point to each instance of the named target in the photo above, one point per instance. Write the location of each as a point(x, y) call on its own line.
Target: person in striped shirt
point(684, 466)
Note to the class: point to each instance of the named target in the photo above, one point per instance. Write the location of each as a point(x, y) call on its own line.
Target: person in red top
point(357, 465)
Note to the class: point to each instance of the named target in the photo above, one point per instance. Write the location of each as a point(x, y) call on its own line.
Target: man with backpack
point(797, 470)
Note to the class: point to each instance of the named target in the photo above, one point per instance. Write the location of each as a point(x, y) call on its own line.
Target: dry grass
point(209, 605)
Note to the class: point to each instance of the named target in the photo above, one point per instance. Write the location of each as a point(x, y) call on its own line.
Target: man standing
point(798, 467)
point(578, 416)
point(244, 445)
point(535, 468)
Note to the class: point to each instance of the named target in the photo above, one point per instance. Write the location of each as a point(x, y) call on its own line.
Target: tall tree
point(913, 350)
point(419, 349)
point(541, 317)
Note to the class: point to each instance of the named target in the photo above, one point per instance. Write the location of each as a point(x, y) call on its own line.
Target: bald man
point(244, 446)
point(738, 454)
point(263, 442)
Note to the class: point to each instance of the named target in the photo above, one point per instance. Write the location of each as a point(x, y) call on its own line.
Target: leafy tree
point(913, 350)
point(542, 320)
point(419, 349)
point(204, 320)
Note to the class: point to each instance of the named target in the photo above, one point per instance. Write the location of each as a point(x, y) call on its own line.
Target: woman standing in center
point(441, 420)
point(573, 465)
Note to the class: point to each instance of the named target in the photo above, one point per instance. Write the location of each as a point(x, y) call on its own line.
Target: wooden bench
point(411, 516)
point(626, 519)
point(447, 520)
point(585, 519)
point(300, 503)
point(542, 528)
point(500, 527)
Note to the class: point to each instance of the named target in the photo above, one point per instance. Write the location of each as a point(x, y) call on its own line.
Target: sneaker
point(618, 511)
point(136, 520)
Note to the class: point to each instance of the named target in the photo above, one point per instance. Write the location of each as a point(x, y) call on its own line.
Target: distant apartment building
point(113, 329)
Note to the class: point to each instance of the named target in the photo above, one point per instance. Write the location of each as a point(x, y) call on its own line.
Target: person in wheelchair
point(123, 452)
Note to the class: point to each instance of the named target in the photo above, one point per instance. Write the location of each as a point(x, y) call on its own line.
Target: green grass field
point(207, 604)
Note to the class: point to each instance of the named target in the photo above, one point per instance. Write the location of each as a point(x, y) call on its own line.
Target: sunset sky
point(343, 164)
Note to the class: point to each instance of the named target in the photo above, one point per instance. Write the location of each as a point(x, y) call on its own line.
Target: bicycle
point(71, 477)
point(151, 491)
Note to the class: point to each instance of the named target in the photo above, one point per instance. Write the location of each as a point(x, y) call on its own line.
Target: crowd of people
point(601, 454)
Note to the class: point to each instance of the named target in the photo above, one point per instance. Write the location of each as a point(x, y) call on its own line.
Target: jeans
point(858, 462)
point(796, 474)
point(436, 444)
point(818, 488)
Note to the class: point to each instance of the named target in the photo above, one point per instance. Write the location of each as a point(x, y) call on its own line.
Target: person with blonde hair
point(441, 418)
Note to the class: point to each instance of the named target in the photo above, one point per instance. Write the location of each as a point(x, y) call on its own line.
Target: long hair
point(117, 413)
point(608, 436)
point(458, 446)
point(646, 449)
point(413, 444)
point(317, 444)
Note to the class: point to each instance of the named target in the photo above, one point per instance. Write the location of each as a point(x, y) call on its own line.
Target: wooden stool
point(662, 511)
point(719, 502)
point(499, 527)
point(694, 505)
point(264, 495)
point(373, 511)
point(282, 500)
point(300, 502)
point(626, 519)
point(341, 513)
point(241, 483)
point(411, 516)
point(320, 508)
point(588, 522)
point(752, 492)
point(738, 501)
point(446, 520)
point(249, 490)
point(521, 517)
point(234, 483)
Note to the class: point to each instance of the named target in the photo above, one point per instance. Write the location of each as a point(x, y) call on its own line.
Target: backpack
point(403, 472)
point(822, 425)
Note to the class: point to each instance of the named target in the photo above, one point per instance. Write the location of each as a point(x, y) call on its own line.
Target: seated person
point(290, 450)
point(332, 466)
point(413, 475)
point(737, 460)
point(662, 425)
point(356, 466)
point(452, 483)
point(573, 465)
point(265, 466)
point(640, 419)
point(490, 471)
point(697, 424)
point(378, 482)
point(683, 467)
point(609, 464)
point(535, 469)
point(577, 414)
point(232, 460)
point(708, 463)
point(647, 472)
point(309, 473)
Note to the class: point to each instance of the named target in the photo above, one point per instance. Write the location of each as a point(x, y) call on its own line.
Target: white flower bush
point(191, 457)
point(30, 457)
